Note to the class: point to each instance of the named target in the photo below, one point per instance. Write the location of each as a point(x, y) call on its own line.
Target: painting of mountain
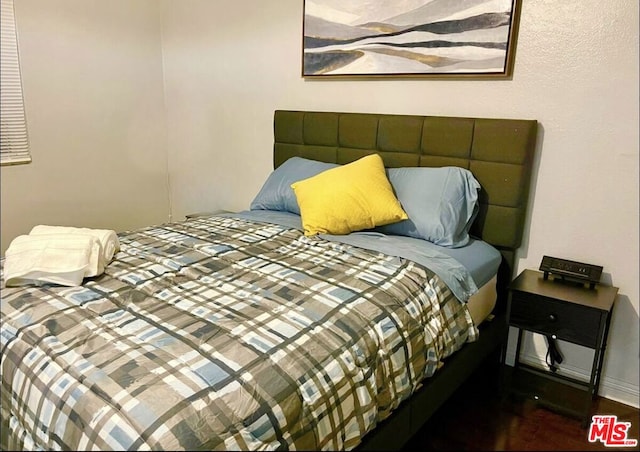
point(409, 37)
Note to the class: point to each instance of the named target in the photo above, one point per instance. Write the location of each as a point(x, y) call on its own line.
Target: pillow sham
point(441, 203)
point(348, 198)
point(277, 194)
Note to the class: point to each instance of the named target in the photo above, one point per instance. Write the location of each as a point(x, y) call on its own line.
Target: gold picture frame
point(410, 38)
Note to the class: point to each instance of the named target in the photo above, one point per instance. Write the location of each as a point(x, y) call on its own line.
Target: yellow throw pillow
point(348, 198)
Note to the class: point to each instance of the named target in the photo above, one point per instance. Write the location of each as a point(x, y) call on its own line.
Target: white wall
point(230, 63)
point(93, 87)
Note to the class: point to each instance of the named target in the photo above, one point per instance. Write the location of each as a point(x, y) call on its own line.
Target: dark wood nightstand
point(568, 312)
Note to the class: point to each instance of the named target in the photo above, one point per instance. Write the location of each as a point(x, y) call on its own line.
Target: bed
point(249, 330)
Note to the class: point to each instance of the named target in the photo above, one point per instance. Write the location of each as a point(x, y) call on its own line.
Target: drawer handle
point(553, 317)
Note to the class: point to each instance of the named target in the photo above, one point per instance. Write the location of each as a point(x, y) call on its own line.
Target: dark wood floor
point(477, 419)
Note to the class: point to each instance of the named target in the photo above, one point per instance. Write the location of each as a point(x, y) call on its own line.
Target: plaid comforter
point(223, 333)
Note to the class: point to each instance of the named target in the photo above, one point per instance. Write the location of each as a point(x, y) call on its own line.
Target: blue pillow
point(441, 203)
point(277, 194)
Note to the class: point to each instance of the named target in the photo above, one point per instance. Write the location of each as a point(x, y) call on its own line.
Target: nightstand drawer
point(568, 322)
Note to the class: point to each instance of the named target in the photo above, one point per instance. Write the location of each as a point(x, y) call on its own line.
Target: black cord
point(553, 354)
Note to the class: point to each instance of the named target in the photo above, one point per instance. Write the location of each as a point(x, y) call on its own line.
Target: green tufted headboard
point(499, 152)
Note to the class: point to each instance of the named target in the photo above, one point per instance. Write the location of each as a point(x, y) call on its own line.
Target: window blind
point(14, 143)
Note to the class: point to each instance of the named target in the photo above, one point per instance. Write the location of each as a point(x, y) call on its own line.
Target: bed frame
point(499, 152)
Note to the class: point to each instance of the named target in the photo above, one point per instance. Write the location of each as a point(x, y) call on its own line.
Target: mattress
point(481, 303)
point(227, 333)
point(482, 260)
point(479, 259)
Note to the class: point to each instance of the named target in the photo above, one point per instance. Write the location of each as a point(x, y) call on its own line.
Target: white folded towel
point(109, 243)
point(54, 258)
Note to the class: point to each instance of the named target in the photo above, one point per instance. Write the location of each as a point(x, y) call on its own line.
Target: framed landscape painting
point(422, 38)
